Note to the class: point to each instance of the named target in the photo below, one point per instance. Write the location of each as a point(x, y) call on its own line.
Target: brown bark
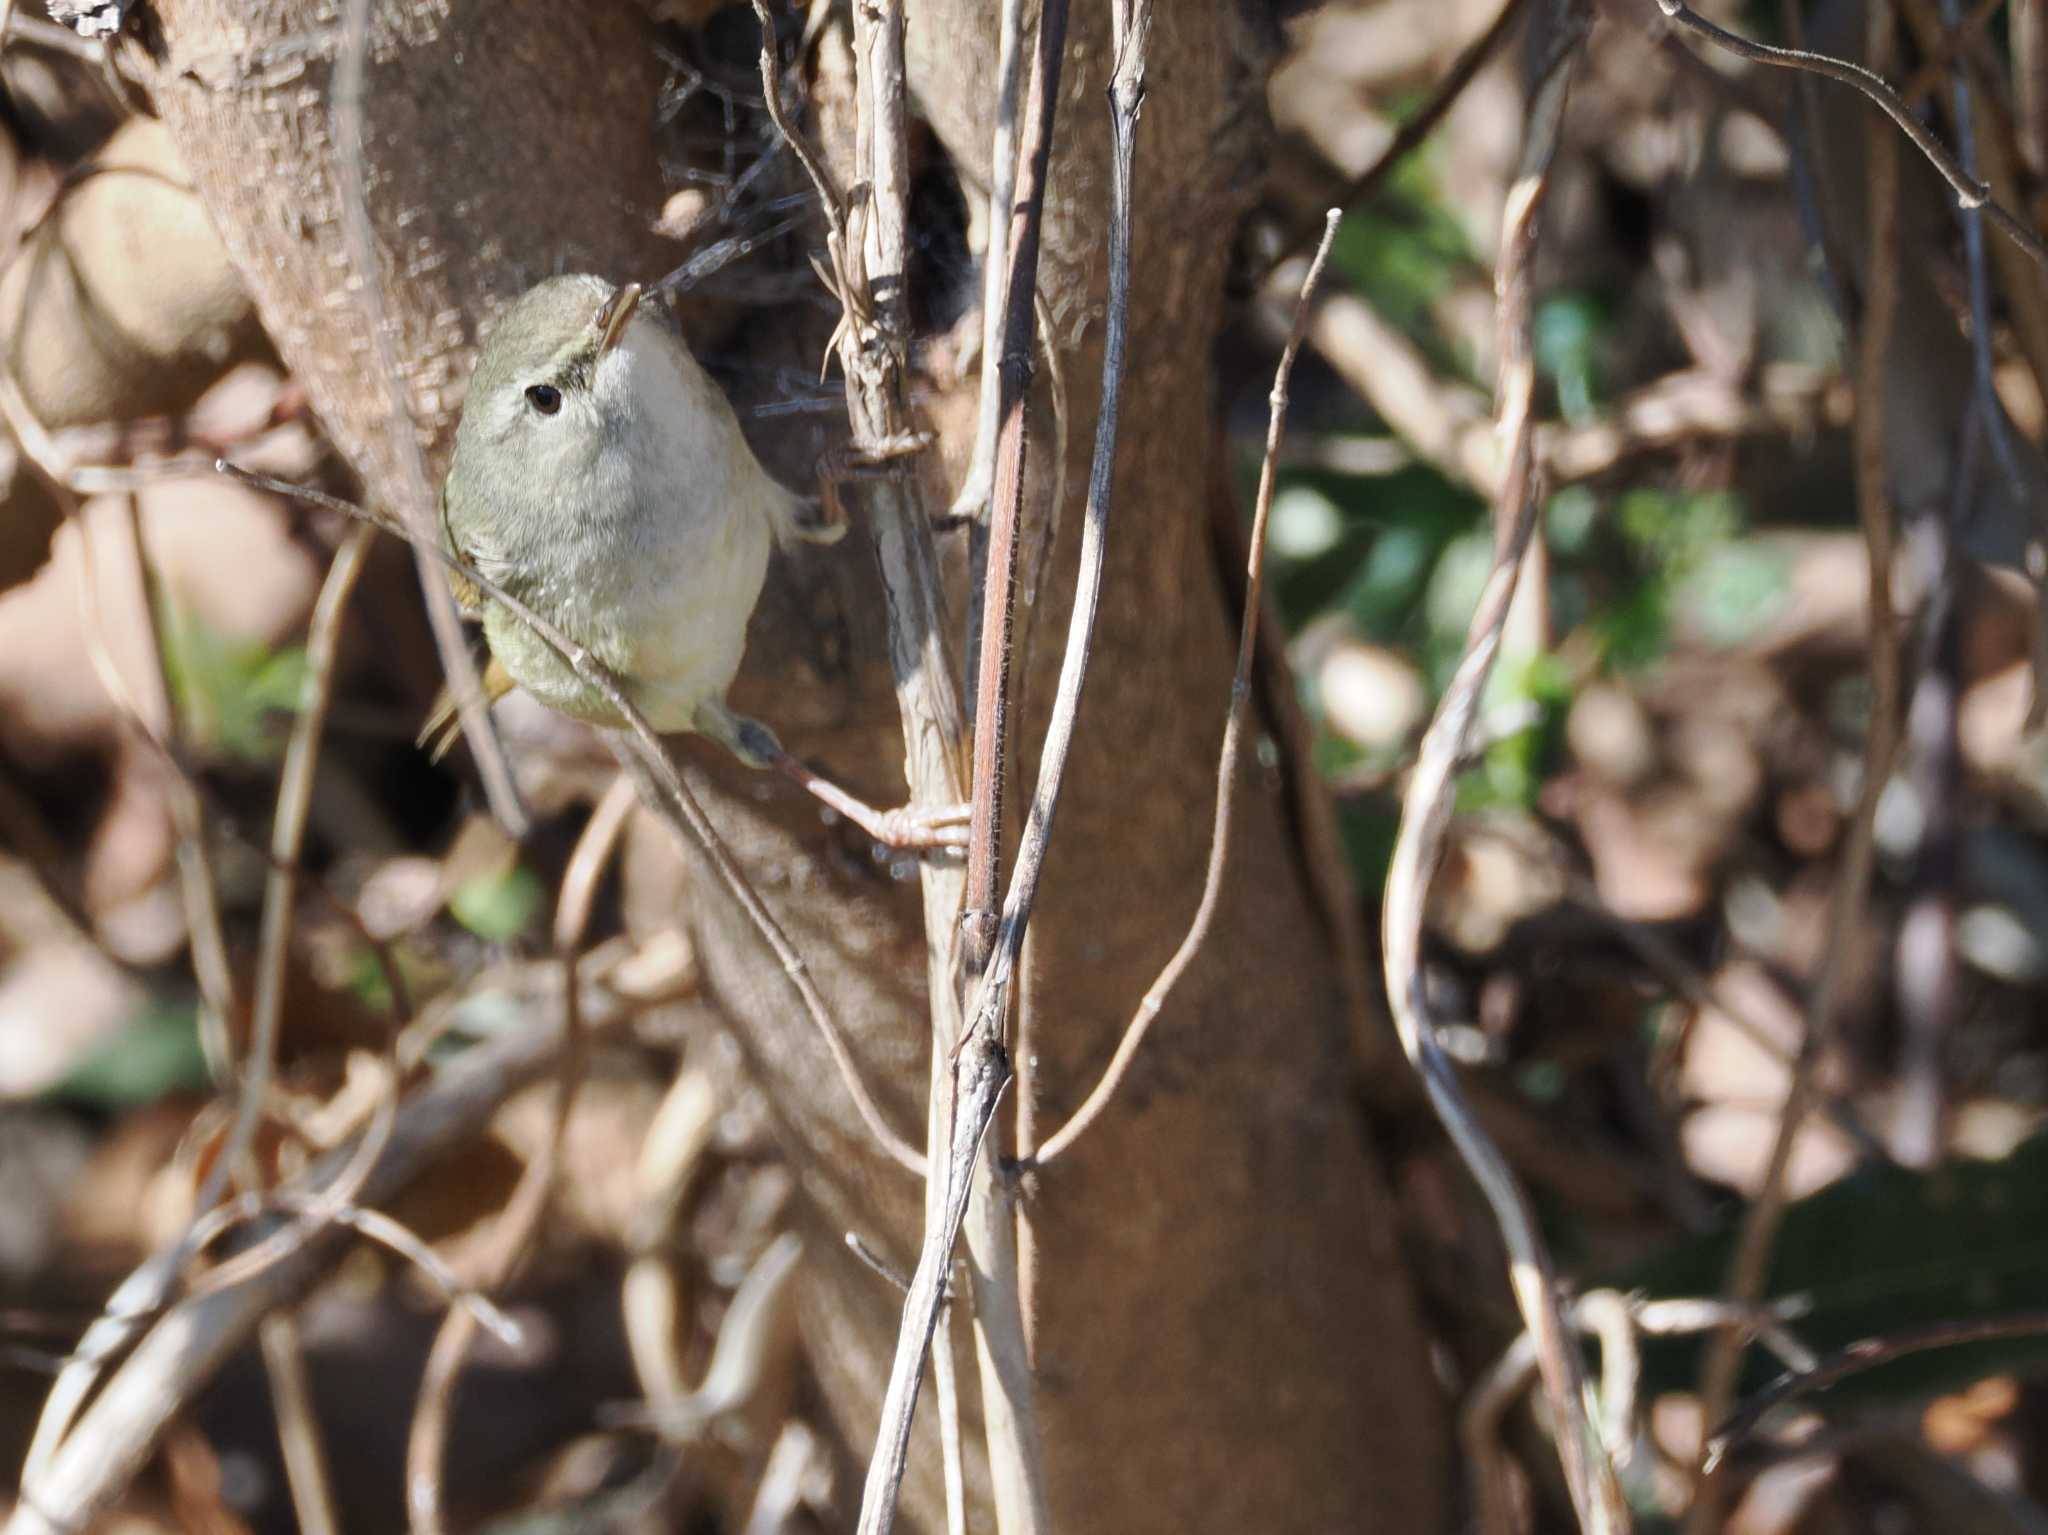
point(1225, 1331)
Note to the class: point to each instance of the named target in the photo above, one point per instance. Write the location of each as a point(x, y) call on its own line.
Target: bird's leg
point(908, 827)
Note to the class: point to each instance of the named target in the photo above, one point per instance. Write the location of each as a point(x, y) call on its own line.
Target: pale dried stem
point(157, 728)
point(1428, 804)
point(872, 351)
point(280, 890)
point(518, 1230)
point(115, 1436)
point(298, 1428)
point(947, 1389)
point(1233, 732)
point(1615, 1319)
point(1749, 1269)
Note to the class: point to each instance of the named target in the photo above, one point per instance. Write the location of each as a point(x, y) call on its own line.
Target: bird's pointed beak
point(611, 319)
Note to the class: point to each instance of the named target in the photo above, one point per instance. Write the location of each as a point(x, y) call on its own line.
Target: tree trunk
point(1225, 1332)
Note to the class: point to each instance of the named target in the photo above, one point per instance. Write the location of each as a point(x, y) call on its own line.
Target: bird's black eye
point(545, 398)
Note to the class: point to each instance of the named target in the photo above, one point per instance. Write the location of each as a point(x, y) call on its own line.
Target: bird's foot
point(908, 828)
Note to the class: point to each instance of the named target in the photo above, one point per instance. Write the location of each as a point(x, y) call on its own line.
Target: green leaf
point(156, 1054)
point(230, 692)
point(497, 907)
point(1881, 1250)
point(1569, 328)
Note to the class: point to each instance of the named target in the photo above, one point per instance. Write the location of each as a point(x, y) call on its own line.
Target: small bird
point(601, 478)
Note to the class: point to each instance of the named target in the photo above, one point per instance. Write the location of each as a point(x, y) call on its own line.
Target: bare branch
point(1416, 128)
point(976, 491)
point(1970, 192)
point(1868, 1354)
point(298, 1428)
point(1427, 807)
point(1233, 731)
point(1749, 1268)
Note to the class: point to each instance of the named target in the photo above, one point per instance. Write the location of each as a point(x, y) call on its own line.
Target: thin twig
point(1749, 1268)
point(298, 1427)
point(947, 1390)
point(999, 587)
point(206, 936)
point(401, 433)
point(670, 796)
point(1233, 731)
point(1868, 1354)
point(1415, 128)
point(980, 1065)
point(1614, 1319)
point(873, 348)
point(972, 503)
point(1970, 192)
point(1428, 804)
point(518, 1229)
point(280, 891)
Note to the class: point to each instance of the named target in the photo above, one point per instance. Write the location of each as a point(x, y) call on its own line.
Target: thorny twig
point(1749, 1269)
point(671, 798)
point(1233, 732)
point(1427, 807)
